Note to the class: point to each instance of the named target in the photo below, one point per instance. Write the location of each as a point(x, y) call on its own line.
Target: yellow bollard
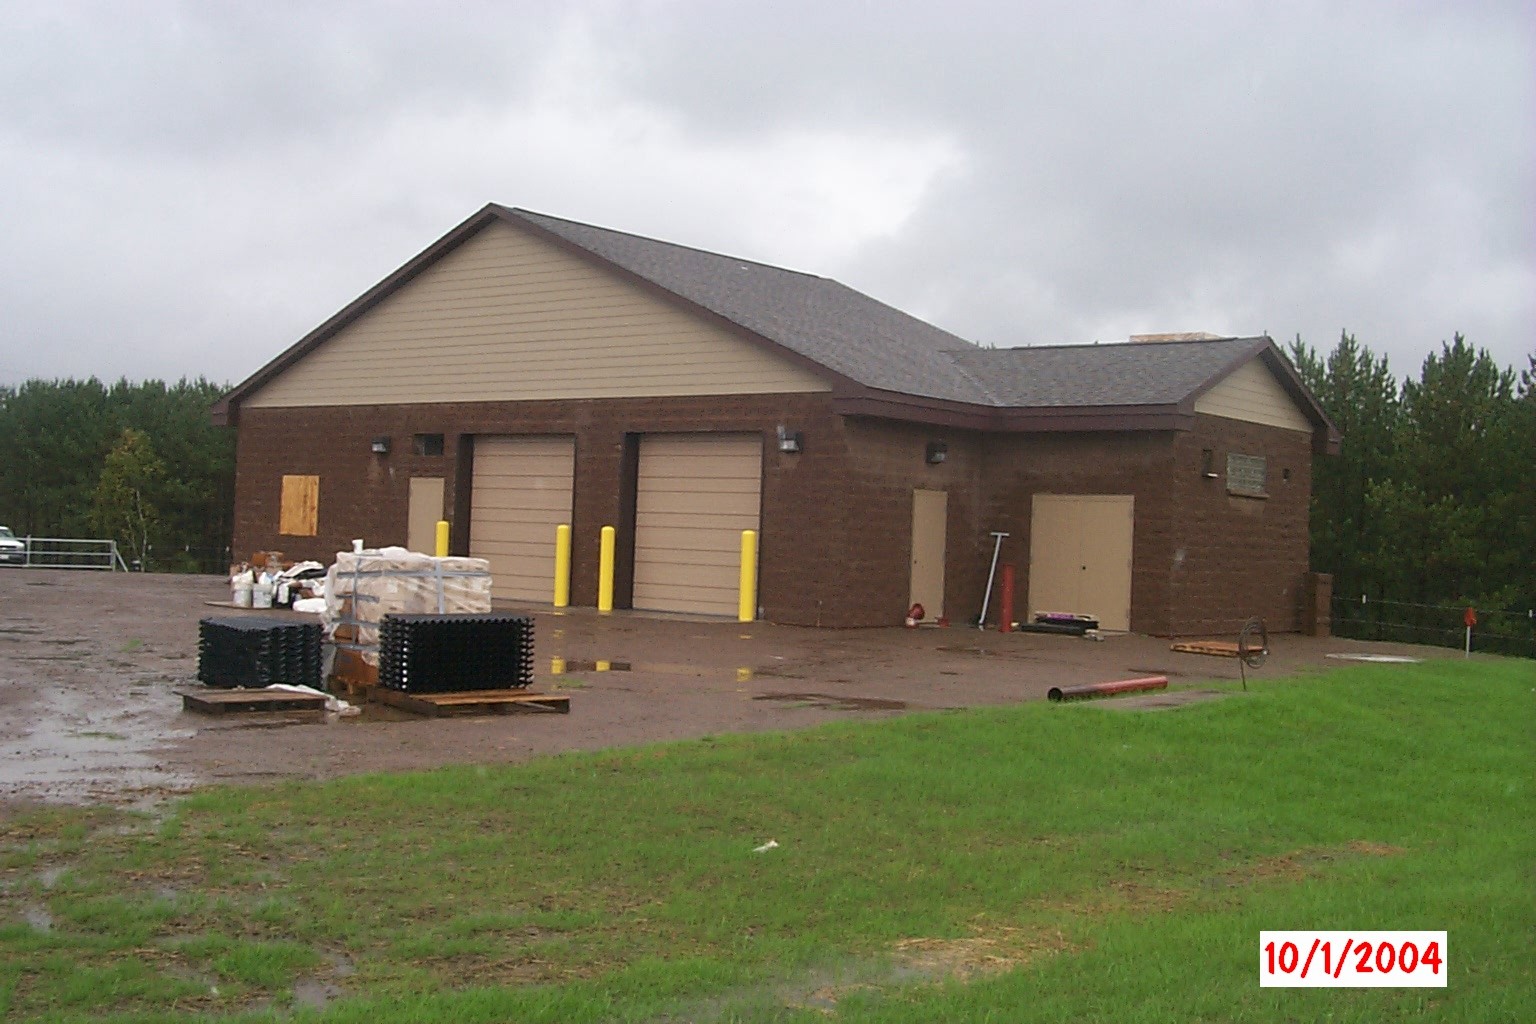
point(746, 608)
point(605, 571)
point(442, 538)
point(562, 566)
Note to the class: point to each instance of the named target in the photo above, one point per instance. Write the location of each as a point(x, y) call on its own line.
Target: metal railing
point(73, 553)
point(1498, 631)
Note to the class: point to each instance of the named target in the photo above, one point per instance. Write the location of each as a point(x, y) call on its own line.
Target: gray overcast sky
point(188, 188)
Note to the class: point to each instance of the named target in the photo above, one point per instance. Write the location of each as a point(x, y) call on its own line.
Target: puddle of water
point(77, 749)
point(374, 714)
point(828, 702)
point(50, 876)
point(38, 918)
point(340, 965)
point(313, 993)
point(560, 666)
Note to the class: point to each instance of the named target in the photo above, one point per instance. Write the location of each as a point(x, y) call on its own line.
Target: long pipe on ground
point(1088, 690)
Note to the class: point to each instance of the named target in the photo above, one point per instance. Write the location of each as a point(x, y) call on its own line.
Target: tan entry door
point(1080, 556)
point(930, 515)
point(694, 495)
point(426, 510)
point(521, 492)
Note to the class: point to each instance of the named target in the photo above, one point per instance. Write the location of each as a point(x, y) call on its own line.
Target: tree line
point(1432, 497)
point(141, 463)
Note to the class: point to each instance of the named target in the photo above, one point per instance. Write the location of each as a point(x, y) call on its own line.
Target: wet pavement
point(91, 664)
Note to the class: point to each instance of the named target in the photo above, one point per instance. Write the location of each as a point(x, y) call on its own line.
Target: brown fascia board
point(937, 412)
point(1325, 439)
point(225, 411)
point(831, 376)
point(894, 405)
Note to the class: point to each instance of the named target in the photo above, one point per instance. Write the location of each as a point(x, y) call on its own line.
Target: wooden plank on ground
point(471, 701)
point(1214, 648)
point(215, 701)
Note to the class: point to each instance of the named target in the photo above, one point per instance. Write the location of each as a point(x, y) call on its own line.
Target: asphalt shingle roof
point(881, 347)
point(854, 336)
point(1142, 373)
point(846, 331)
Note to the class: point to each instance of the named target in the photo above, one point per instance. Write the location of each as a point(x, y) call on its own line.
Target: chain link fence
point(1498, 631)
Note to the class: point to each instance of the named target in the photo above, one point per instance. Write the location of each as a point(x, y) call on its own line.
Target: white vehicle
point(12, 551)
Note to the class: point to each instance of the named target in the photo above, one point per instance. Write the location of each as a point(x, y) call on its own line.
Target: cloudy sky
point(188, 188)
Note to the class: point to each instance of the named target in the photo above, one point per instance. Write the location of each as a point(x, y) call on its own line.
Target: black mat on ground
point(252, 652)
point(455, 653)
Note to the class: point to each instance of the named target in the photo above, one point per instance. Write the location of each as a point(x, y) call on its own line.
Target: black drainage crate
point(253, 652)
point(455, 653)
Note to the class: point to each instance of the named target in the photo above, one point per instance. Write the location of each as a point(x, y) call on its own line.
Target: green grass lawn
point(1031, 863)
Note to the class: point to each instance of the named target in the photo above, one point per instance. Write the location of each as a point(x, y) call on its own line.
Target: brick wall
point(888, 461)
point(837, 517)
point(1239, 556)
point(813, 568)
point(1019, 466)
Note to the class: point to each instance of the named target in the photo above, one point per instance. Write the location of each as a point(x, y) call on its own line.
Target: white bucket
point(261, 595)
point(242, 593)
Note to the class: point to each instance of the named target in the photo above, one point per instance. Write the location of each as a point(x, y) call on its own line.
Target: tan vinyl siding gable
point(1252, 394)
point(508, 316)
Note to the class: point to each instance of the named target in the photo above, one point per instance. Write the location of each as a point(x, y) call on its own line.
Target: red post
point(1005, 623)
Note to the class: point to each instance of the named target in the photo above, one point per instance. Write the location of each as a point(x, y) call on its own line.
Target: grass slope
point(1031, 863)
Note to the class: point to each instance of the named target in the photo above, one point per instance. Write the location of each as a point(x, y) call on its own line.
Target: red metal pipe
point(1005, 620)
point(1059, 693)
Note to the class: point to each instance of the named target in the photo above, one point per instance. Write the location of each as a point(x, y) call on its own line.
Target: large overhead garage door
point(521, 492)
point(694, 496)
point(1080, 556)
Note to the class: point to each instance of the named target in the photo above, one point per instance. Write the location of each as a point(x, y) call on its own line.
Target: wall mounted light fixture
point(936, 453)
point(791, 441)
point(380, 445)
point(1208, 464)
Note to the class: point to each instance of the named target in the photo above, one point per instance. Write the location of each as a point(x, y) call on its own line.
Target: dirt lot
point(90, 664)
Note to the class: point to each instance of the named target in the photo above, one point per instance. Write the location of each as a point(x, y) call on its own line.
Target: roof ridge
point(1122, 344)
point(992, 397)
point(522, 213)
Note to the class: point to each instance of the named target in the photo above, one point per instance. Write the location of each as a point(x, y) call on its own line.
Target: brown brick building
point(526, 371)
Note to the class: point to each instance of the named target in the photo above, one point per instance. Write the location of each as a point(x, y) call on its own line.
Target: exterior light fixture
point(791, 441)
point(380, 445)
point(937, 452)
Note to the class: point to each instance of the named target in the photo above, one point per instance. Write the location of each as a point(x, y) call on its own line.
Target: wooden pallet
point(1214, 648)
point(214, 701)
point(471, 702)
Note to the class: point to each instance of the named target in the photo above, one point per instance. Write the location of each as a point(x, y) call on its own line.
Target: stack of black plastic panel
point(454, 653)
point(251, 651)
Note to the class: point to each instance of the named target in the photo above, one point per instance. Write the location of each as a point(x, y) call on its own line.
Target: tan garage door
point(695, 494)
point(1080, 556)
point(521, 492)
